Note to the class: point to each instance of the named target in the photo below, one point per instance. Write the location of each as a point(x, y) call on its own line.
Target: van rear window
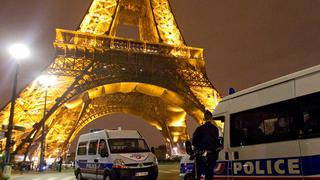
point(127, 145)
point(82, 148)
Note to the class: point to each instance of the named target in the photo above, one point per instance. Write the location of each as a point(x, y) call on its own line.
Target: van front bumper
point(134, 173)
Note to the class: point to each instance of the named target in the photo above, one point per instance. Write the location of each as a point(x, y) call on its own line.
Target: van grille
point(147, 163)
point(132, 165)
point(136, 164)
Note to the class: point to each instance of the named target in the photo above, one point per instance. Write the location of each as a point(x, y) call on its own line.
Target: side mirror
point(220, 144)
point(220, 140)
point(189, 148)
point(104, 152)
point(152, 150)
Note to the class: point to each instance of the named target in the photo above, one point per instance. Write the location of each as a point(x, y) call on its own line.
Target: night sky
point(245, 42)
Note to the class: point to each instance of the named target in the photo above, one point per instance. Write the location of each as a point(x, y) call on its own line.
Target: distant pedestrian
point(60, 163)
point(23, 167)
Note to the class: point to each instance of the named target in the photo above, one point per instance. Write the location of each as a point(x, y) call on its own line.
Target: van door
point(103, 157)
point(92, 163)
point(222, 169)
point(310, 134)
point(264, 142)
point(81, 156)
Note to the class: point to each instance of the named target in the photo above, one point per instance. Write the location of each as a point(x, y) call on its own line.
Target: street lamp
point(46, 81)
point(18, 52)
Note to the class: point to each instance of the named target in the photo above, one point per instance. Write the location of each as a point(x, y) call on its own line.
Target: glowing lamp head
point(47, 80)
point(19, 51)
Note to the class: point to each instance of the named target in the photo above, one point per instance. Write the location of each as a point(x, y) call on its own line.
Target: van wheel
point(106, 177)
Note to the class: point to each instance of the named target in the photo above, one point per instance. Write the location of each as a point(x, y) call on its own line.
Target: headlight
point(118, 163)
point(155, 160)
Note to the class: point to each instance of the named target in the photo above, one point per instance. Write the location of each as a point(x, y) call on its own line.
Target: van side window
point(219, 122)
point(271, 123)
point(310, 114)
point(93, 147)
point(82, 148)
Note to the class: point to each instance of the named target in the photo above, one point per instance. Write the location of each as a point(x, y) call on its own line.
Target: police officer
point(205, 140)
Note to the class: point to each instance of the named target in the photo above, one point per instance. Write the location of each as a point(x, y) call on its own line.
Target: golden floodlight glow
point(73, 103)
point(175, 138)
point(47, 80)
point(178, 119)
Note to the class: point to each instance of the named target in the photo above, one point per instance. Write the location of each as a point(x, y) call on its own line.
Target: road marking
point(69, 177)
point(16, 176)
point(164, 171)
point(53, 178)
point(175, 170)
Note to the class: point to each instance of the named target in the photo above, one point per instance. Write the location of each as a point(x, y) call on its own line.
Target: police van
point(271, 131)
point(114, 154)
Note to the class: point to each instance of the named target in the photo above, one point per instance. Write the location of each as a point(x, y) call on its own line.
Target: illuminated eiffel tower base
point(156, 77)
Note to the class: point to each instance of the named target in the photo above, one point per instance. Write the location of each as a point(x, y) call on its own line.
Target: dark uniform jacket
point(206, 137)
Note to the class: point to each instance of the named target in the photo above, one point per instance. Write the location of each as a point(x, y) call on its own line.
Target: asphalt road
point(166, 172)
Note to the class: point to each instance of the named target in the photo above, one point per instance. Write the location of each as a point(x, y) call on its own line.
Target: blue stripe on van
point(186, 168)
point(266, 167)
point(84, 164)
point(311, 165)
point(293, 166)
point(220, 169)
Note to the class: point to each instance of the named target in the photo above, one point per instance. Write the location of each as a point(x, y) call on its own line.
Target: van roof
point(123, 134)
point(273, 82)
point(113, 134)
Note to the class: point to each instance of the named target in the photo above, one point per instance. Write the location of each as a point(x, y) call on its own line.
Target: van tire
point(106, 175)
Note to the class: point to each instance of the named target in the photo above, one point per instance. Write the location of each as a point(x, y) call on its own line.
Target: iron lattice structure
point(157, 77)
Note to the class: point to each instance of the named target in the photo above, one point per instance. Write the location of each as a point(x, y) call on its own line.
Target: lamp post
point(18, 52)
point(46, 81)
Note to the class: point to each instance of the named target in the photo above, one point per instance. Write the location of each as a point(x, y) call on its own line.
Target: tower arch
point(94, 66)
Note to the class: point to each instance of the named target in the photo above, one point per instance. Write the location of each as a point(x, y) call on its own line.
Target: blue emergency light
point(231, 91)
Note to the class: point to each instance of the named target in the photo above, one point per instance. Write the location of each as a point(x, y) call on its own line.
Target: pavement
point(167, 171)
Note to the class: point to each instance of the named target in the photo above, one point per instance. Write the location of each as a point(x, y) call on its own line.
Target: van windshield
point(127, 145)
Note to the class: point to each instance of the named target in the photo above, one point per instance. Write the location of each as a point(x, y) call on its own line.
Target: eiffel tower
point(156, 77)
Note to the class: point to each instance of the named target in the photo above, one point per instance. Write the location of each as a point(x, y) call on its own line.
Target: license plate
point(141, 173)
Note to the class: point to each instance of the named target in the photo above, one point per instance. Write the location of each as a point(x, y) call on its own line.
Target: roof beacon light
point(231, 91)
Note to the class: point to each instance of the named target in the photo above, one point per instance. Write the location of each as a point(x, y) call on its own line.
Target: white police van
point(114, 154)
point(271, 131)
